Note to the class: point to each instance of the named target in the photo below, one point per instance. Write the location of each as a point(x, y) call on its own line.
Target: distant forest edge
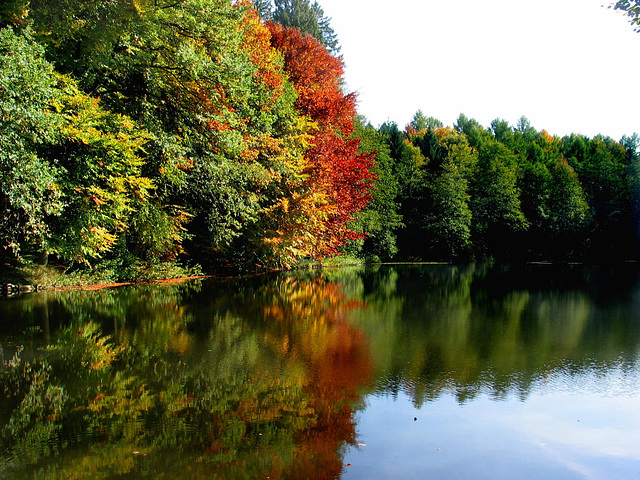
point(155, 133)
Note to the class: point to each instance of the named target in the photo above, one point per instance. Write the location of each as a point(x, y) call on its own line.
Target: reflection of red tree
point(342, 367)
point(334, 384)
point(312, 322)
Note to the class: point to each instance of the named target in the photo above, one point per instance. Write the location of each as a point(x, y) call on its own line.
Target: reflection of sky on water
point(557, 432)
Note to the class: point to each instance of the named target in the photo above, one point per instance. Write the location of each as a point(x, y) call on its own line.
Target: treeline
point(218, 132)
point(507, 192)
point(147, 132)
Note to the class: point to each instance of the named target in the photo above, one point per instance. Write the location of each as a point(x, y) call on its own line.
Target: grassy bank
point(58, 276)
point(55, 276)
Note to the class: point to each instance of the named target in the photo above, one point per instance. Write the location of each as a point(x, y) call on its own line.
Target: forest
point(217, 134)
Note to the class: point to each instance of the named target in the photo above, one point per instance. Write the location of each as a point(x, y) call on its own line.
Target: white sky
point(567, 65)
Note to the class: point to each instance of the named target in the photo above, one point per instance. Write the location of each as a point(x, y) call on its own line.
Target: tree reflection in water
point(260, 377)
point(253, 383)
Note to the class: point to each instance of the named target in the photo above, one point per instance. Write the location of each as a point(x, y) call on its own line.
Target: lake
point(377, 372)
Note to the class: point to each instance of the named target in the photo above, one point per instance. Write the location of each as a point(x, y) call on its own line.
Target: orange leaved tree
point(334, 168)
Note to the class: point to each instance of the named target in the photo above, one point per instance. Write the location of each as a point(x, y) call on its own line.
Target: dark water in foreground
point(412, 372)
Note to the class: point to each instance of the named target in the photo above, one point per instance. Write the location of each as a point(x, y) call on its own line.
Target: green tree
point(601, 165)
point(100, 156)
point(406, 157)
point(568, 211)
point(307, 17)
point(502, 131)
point(421, 122)
point(30, 188)
point(264, 8)
point(496, 207)
point(72, 172)
point(436, 210)
point(449, 222)
point(534, 185)
point(471, 128)
point(380, 219)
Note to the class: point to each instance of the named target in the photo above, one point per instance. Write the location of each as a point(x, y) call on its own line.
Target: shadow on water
point(261, 377)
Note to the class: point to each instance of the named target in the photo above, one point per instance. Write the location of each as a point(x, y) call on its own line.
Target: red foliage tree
point(334, 164)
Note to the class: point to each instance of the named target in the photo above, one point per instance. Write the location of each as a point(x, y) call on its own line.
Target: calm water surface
point(413, 372)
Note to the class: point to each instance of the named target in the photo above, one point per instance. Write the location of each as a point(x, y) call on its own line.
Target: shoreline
point(31, 285)
point(102, 286)
point(12, 290)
